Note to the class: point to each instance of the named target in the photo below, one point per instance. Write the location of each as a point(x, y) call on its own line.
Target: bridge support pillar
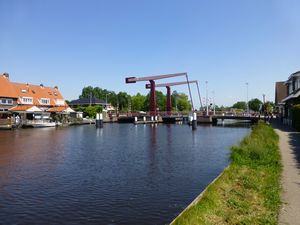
point(152, 98)
point(99, 120)
point(194, 121)
point(169, 101)
point(215, 121)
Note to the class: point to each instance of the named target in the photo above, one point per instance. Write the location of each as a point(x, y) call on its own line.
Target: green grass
point(248, 191)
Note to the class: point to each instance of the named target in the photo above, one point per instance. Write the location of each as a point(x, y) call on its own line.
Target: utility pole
point(264, 103)
point(214, 106)
point(247, 84)
point(206, 98)
point(90, 98)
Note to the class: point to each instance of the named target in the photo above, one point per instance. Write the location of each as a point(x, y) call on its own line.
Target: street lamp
point(206, 98)
point(247, 84)
point(91, 98)
point(264, 98)
point(213, 99)
point(264, 103)
point(106, 100)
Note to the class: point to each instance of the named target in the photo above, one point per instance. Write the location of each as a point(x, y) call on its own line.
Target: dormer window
point(60, 102)
point(24, 90)
point(45, 101)
point(27, 100)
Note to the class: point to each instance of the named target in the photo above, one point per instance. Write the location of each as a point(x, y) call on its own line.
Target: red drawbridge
point(152, 79)
point(168, 86)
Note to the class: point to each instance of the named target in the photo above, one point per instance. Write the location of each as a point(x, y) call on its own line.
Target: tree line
point(125, 102)
point(254, 105)
point(139, 102)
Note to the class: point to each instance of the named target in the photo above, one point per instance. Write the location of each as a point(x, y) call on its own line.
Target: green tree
point(240, 105)
point(123, 99)
point(180, 101)
point(137, 102)
point(97, 92)
point(255, 104)
point(269, 106)
point(174, 100)
point(161, 101)
point(112, 98)
point(89, 111)
point(183, 103)
point(87, 92)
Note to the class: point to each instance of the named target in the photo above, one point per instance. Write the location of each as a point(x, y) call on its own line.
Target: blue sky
point(75, 43)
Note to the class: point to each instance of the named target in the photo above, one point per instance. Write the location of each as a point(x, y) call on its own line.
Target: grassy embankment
point(248, 191)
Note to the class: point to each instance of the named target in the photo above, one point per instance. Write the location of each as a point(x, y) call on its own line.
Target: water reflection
point(99, 132)
point(233, 123)
point(121, 174)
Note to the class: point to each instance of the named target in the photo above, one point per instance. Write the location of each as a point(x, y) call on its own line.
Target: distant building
point(87, 102)
point(91, 101)
point(8, 95)
point(30, 101)
point(280, 94)
point(292, 96)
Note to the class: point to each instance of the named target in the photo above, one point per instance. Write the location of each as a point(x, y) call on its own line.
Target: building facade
point(8, 95)
point(29, 101)
point(292, 96)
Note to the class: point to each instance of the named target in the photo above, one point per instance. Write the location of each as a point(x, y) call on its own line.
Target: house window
point(60, 102)
point(291, 88)
point(45, 101)
point(297, 83)
point(6, 101)
point(27, 100)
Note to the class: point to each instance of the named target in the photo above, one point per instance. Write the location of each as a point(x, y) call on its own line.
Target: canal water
point(122, 174)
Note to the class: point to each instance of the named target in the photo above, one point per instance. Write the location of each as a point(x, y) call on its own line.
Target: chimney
point(6, 75)
point(55, 87)
point(41, 85)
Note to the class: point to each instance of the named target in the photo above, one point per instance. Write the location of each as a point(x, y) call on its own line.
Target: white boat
point(45, 124)
point(40, 123)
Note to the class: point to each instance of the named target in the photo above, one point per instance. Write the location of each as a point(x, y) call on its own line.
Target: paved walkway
point(289, 144)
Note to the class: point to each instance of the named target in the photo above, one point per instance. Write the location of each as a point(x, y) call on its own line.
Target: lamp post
point(213, 98)
point(264, 103)
point(90, 98)
point(106, 100)
point(247, 84)
point(206, 98)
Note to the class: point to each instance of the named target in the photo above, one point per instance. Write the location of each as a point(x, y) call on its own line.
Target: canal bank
point(248, 191)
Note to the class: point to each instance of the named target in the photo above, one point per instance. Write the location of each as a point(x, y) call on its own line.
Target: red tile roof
point(19, 108)
point(6, 88)
point(37, 92)
point(57, 109)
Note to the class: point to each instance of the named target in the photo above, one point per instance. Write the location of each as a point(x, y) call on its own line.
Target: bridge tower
point(152, 79)
point(168, 87)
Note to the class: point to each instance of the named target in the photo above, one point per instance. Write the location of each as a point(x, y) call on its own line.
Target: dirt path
point(289, 144)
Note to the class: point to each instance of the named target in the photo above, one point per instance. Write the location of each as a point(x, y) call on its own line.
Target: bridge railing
point(184, 113)
point(148, 114)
